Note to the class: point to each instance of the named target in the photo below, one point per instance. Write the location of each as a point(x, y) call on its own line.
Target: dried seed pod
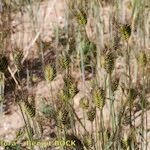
point(109, 62)
point(88, 141)
point(91, 114)
point(125, 31)
point(50, 73)
point(114, 85)
point(142, 59)
point(99, 97)
point(84, 103)
point(3, 64)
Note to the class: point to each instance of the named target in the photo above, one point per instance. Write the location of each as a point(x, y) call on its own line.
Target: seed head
point(64, 96)
point(29, 109)
point(82, 18)
point(64, 113)
point(109, 62)
point(72, 90)
point(125, 31)
point(50, 73)
point(91, 114)
point(64, 60)
point(84, 103)
point(18, 56)
point(70, 87)
point(115, 83)
point(124, 141)
point(99, 97)
point(88, 141)
point(142, 59)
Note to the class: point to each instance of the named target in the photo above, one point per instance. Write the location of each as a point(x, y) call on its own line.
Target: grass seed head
point(114, 85)
point(99, 97)
point(82, 18)
point(64, 116)
point(72, 90)
point(124, 141)
point(64, 60)
point(88, 141)
point(91, 114)
point(29, 109)
point(84, 103)
point(142, 59)
point(125, 31)
point(50, 73)
point(109, 62)
point(64, 96)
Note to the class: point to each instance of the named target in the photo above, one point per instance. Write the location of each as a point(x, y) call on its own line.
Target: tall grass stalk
point(1, 93)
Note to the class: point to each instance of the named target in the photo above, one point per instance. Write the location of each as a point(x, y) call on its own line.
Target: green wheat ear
point(91, 114)
point(99, 97)
point(109, 62)
point(50, 73)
